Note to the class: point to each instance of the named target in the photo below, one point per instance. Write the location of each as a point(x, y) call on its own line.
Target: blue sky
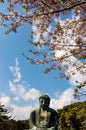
point(21, 83)
point(11, 48)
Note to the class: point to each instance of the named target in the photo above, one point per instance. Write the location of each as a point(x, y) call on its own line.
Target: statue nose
point(43, 103)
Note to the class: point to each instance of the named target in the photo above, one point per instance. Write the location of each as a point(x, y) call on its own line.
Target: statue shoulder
point(34, 116)
point(34, 112)
point(53, 111)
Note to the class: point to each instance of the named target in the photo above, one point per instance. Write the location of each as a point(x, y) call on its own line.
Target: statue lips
point(44, 118)
point(44, 106)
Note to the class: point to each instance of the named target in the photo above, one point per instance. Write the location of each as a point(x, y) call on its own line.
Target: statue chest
point(44, 118)
point(45, 114)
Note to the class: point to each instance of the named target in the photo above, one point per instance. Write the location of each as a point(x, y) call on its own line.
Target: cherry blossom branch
point(62, 10)
point(50, 12)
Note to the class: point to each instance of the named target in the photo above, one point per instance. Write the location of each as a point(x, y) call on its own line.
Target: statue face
point(44, 103)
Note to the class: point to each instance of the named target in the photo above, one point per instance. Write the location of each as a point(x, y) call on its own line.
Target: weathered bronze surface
point(44, 118)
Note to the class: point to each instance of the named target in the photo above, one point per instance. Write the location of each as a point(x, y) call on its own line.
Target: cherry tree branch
point(65, 9)
point(46, 13)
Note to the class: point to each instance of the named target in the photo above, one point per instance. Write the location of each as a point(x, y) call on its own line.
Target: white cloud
point(21, 113)
point(68, 42)
point(60, 53)
point(12, 87)
point(64, 99)
point(16, 98)
point(16, 71)
point(5, 100)
point(32, 94)
point(37, 29)
point(77, 77)
point(20, 92)
point(17, 87)
point(68, 38)
point(36, 35)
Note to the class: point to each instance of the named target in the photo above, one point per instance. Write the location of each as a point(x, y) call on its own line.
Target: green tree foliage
point(3, 117)
point(22, 125)
point(73, 116)
point(7, 123)
point(3, 113)
point(70, 117)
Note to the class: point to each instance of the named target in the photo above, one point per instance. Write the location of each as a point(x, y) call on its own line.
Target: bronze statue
point(44, 118)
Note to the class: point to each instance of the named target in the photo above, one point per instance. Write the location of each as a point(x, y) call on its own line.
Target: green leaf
point(79, 86)
point(30, 41)
point(58, 25)
point(1, 1)
point(1, 25)
point(25, 9)
point(7, 32)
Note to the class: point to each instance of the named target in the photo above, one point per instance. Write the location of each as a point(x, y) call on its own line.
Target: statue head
point(44, 101)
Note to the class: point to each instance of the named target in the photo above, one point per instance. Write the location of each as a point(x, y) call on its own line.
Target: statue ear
point(33, 117)
point(37, 116)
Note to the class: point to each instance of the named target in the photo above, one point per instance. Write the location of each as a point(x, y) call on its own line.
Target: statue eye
point(41, 101)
